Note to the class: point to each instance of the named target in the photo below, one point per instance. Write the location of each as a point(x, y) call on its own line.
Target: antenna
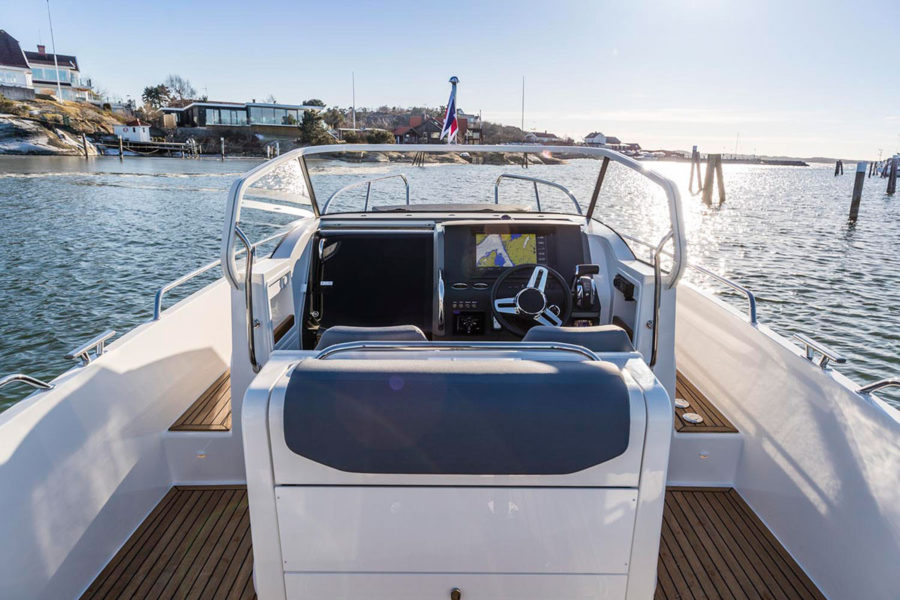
point(353, 76)
point(55, 61)
point(523, 102)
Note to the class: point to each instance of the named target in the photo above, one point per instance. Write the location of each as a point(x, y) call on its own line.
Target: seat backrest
point(600, 338)
point(468, 417)
point(341, 334)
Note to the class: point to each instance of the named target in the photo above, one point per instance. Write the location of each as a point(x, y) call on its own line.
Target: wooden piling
point(892, 177)
point(695, 168)
point(84, 144)
point(221, 139)
point(713, 171)
point(857, 190)
point(121, 153)
point(839, 168)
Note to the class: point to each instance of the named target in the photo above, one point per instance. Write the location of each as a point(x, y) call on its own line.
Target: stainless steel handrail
point(161, 292)
point(368, 183)
point(97, 344)
point(657, 293)
point(827, 353)
point(26, 379)
point(884, 383)
point(248, 297)
point(445, 346)
point(535, 181)
point(751, 298)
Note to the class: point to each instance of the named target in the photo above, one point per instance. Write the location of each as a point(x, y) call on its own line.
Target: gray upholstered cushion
point(602, 338)
point(457, 417)
point(341, 334)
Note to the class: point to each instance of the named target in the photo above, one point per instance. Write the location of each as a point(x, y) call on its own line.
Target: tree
point(333, 117)
point(313, 102)
point(156, 96)
point(380, 136)
point(180, 87)
point(312, 129)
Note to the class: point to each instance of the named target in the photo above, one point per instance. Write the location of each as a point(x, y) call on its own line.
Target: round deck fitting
point(692, 418)
point(681, 403)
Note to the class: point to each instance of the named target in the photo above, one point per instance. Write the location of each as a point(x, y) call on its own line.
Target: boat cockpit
point(418, 357)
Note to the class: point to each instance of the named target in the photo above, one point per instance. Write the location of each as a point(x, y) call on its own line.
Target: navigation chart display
point(507, 249)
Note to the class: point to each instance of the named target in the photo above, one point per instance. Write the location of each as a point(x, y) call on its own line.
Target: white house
point(133, 132)
point(595, 139)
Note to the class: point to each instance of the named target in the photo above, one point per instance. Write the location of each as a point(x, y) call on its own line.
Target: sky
point(760, 77)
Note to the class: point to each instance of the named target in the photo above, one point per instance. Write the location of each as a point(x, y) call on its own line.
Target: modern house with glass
point(235, 114)
point(44, 67)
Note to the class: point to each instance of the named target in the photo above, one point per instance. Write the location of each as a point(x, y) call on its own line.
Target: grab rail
point(158, 299)
point(657, 293)
point(872, 387)
point(443, 346)
point(535, 181)
point(813, 347)
point(26, 379)
point(97, 344)
point(751, 298)
point(248, 297)
point(368, 183)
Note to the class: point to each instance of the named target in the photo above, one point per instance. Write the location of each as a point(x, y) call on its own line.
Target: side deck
point(196, 544)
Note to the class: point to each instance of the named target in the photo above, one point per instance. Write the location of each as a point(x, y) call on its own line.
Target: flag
point(450, 124)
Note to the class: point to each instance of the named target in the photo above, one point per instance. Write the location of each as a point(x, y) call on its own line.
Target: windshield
point(485, 181)
point(594, 183)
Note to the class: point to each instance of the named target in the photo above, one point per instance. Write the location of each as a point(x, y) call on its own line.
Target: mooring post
point(720, 179)
point(695, 168)
point(713, 170)
point(277, 148)
point(892, 177)
point(84, 144)
point(857, 190)
point(221, 139)
point(872, 168)
point(121, 154)
point(839, 168)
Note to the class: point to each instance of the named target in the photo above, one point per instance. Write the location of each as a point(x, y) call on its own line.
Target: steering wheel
point(530, 305)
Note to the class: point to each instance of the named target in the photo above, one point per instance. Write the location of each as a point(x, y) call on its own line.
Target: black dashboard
point(474, 255)
point(379, 277)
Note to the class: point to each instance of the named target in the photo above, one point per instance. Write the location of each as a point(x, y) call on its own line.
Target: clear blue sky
point(799, 78)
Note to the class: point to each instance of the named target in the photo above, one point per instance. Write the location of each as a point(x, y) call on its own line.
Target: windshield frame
point(236, 194)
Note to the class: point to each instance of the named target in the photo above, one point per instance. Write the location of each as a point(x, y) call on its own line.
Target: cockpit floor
point(196, 544)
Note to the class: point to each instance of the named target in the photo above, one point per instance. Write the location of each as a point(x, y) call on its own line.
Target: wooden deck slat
point(211, 411)
point(713, 419)
point(196, 545)
point(723, 550)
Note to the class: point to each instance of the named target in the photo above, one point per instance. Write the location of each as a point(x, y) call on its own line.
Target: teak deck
point(196, 544)
point(211, 411)
point(713, 420)
point(714, 546)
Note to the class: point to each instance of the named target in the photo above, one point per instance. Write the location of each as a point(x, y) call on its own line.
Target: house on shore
point(422, 129)
point(537, 137)
point(261, 117)
point(595, 138)
point(15, 74)
point(134, 131)
point(24, 74)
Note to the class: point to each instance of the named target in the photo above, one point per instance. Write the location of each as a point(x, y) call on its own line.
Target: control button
point(461, 285)
point(480, 285)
